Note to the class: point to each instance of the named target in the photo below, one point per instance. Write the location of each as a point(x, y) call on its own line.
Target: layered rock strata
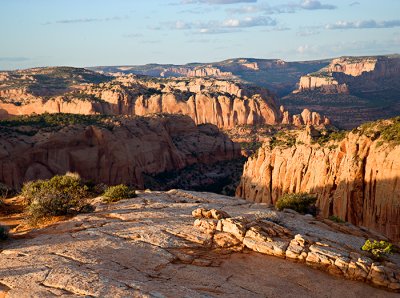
point(329, 253)
point(355, 179)
point(323, 83)
point(345, 71)
point(219, 102)
point(111, 150)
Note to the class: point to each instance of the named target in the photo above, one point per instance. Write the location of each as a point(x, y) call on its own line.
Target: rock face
point(353, 66)
point(327, 79)
point(112, 151)
point(325, 84)
point(274, 74)
point(355, 179)
point(148, 247)
point(262, 233)
point(219, 102)
point(350, 90)
point(199, 71)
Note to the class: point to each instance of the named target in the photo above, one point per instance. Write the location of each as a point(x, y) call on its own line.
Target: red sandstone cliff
point(113, 151)
point(356, 179)
point(220, 102)
point(353, 71)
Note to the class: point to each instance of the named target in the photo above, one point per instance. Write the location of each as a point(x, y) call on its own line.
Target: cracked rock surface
point(149, 247)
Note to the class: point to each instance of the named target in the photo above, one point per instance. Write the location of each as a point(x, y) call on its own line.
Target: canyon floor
point(149, 247)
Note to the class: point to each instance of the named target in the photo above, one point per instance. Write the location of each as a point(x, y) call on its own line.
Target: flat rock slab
point(148, 247)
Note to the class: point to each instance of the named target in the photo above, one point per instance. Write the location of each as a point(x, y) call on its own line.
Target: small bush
point(379, 249)
point(60, 195)
point(118, 192)
point(336, 219)
point(327, 136)
point(3, 233)
point(302, 203)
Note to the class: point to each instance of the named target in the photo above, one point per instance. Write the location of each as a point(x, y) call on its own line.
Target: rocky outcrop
point(355, 179)
point(208, 72)
point(199, 71)
point(268, 235)
point(305, 118)
point(219, 102)
point(323, 83)
point(251, 65)
point(353, 66)
point(274, 74)
point(347, 72)
point(148, 246)
point(111, 150)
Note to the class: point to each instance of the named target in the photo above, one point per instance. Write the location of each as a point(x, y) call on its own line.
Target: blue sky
point(122, 32)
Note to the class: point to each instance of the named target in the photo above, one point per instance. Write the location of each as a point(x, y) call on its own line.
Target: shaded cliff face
point(220, 102)
point(356, 179)
point(110, 150)
point(351, 90)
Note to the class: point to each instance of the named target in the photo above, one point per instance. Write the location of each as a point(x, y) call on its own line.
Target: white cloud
point(215, 27)
point(282, 8)
point(249, 22)
point(217, 1)
point(87, 20)
point(366, 24)
point(314, 5)
point(303, 49)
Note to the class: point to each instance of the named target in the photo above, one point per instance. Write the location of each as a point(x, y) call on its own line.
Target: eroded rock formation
point(220, 102)
point(345, 71)
point(111, 150)
point(356, 179)
point(323, 83)
point(268, 235)
point(353, 66)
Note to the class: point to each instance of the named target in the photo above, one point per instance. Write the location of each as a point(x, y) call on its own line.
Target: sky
point(133, 32)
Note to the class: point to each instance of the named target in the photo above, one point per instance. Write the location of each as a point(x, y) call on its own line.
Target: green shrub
point(336, 219)
point(60, 195)
point(378, 248)
point(3, 233)
point(58, 120)
point(282, 138)
point(391, 133)
point(118, 192)
point(387, 130)
point(301, 202)
point(327, 136)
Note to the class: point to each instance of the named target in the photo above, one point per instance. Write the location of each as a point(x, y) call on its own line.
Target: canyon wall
point(353, 71)
point(324, 83)
point(356, 179)
point(112, 151)
point(350, 90)
point(223, 103)
point(353, 66)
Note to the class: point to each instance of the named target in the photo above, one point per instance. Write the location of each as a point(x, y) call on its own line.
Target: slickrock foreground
point(149, 247)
